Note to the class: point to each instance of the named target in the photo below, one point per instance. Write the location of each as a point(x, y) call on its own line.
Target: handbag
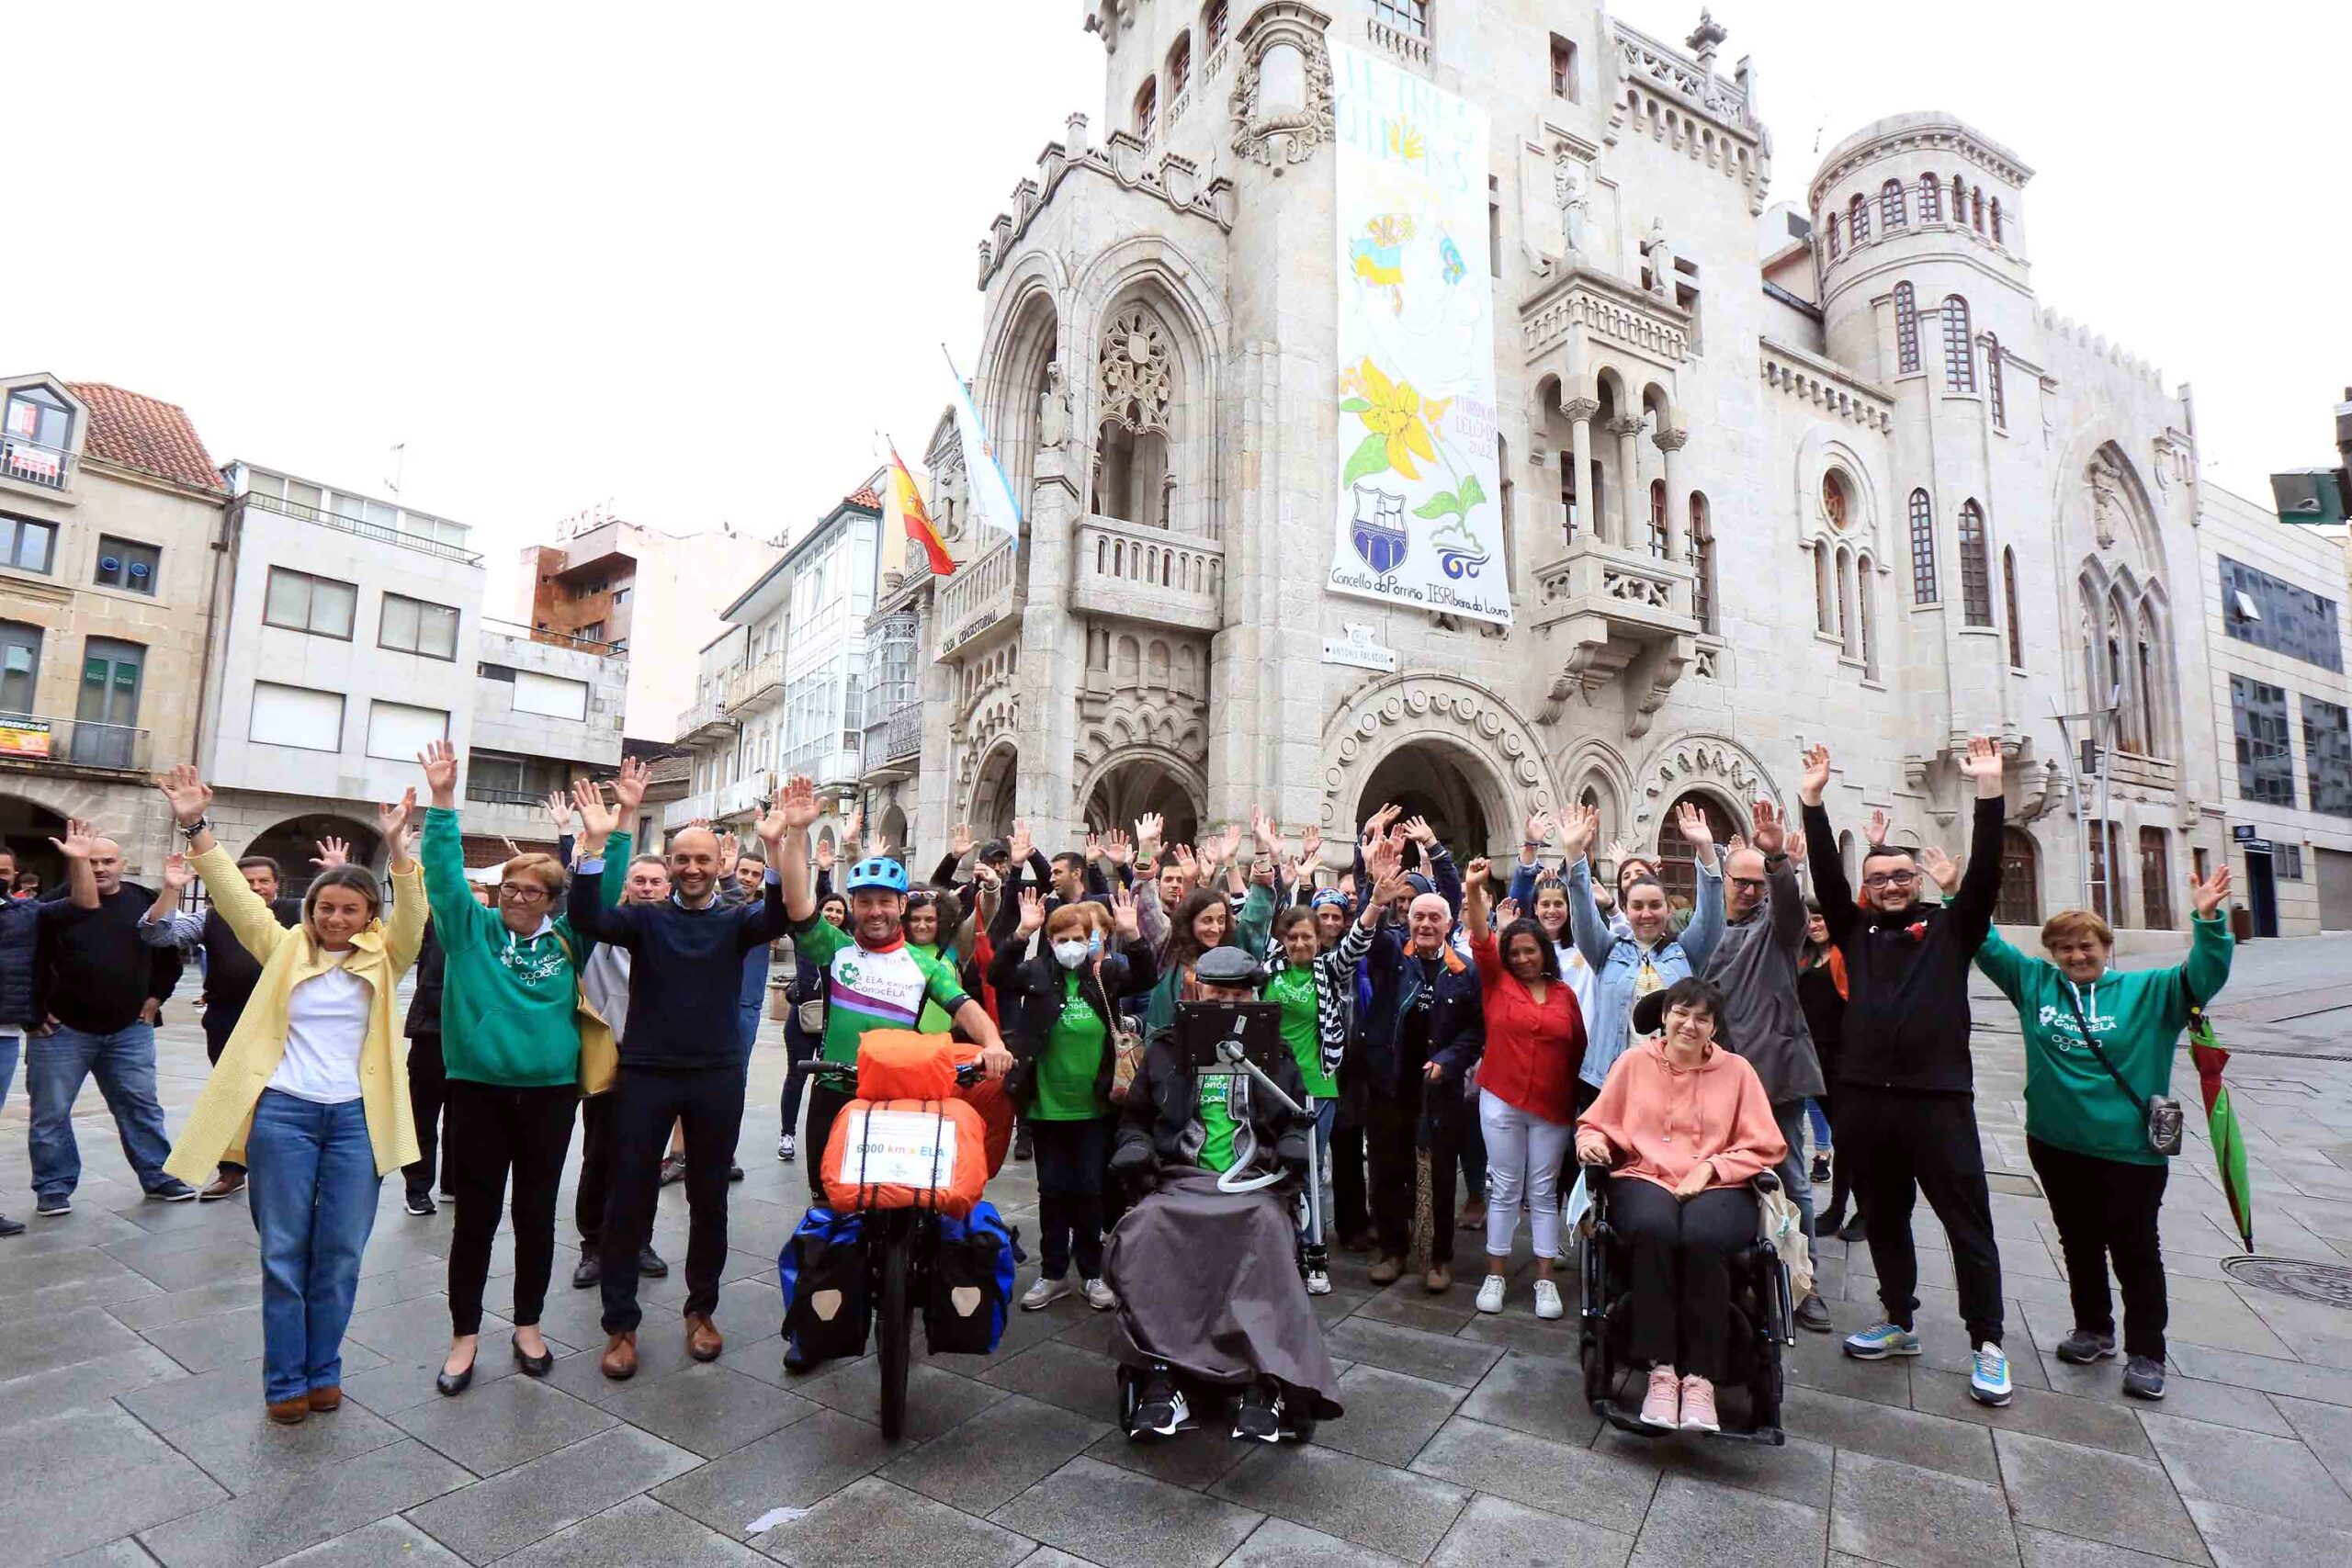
point(600, 1053)
point(1127, 1044)
point(2161, 1112)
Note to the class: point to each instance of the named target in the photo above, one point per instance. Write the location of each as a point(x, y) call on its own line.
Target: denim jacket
point(1617, 960)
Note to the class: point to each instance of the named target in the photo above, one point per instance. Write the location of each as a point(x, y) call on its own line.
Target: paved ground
point(130, 1426)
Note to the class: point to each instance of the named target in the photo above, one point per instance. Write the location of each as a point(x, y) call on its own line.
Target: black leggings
point(428, 1091)
point(1073, 1159)
point(1682, 1252)
point(492, 1130)
point(2107, 1209)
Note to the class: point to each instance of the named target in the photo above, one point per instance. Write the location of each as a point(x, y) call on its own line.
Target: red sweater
point(1533, 1051)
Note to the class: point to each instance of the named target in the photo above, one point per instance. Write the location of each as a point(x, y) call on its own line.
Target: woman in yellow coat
point(310, 1092)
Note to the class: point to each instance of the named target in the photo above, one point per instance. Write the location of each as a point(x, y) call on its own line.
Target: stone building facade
point(1769, 477)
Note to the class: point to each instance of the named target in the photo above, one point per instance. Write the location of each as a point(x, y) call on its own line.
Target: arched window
point(2151, 686)
point(2120, 666)
point(1923, 549)
point(1146, 106)
point(1825, 591)
point(1976, 209)
point(1830, 224)
point(1849, 623)
point(1678, 869)
point(1864, 612)
point(1997, 220)
point(1180, 64)
point(1931, 200)
point(1212, 22)
point(1702, 564)
point(1658, 519)
point(1907, 328)
point(2009, 606)
point(1975, 567)
point(2021, 901)
point(1891, 205)
point(1858, 219)
point(1992, 382)
point(1959, 356)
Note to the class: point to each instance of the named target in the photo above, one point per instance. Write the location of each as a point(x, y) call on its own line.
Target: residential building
point(109, 507)
point(604, 579)
point(2276, 645)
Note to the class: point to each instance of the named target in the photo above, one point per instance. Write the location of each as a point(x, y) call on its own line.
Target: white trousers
point(1523, 1156)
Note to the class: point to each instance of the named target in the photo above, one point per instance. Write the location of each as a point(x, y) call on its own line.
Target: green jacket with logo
point(2136, 1016)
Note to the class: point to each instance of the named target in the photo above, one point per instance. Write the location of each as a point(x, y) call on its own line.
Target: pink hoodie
point(1667, 1119)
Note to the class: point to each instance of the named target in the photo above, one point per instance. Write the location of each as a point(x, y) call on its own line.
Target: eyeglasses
point(1891, 879)
point(1752, 884)
point(922, 900)
point(522, 893)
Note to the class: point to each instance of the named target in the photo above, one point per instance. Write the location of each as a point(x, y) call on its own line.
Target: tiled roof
point(135, 431)
point(864, 497)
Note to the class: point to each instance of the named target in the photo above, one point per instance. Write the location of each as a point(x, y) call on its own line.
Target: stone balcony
point(2130, 769)
point(705, 722)
point(894, 746)
point(984, 596)
point(1607, 614)
point(1148, 574)
point(755, 685)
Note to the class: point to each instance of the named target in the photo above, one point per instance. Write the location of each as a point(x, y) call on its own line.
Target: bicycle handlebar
point(967, 1073)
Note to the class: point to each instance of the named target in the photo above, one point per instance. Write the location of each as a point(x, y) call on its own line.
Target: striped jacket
point(1335, 991)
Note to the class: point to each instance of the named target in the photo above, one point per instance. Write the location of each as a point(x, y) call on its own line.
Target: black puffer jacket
point(19, 948)
point(424, 1003)
point(1029, 993)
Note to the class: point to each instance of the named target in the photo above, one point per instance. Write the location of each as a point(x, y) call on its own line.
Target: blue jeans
point(124, 1065)
point(9, 1041)
point(312, 1182)
point(1821, 1139)
point(1796, 1175)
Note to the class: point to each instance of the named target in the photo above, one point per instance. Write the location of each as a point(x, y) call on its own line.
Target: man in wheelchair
point(1686, 1126)
point(1205, 1264)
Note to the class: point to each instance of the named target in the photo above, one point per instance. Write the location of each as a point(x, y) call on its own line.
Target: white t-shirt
point(326, 1022)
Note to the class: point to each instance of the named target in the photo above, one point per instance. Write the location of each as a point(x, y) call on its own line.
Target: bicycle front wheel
point(897, 1330)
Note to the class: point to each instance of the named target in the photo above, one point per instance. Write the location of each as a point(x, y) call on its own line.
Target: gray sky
point(689, 257)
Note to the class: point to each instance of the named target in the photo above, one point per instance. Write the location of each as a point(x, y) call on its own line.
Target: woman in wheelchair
point(1685, 1126)
point(1205, 1264)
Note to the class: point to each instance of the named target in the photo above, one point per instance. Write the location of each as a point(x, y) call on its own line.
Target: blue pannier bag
point(821, 1271)
point(971, 1283)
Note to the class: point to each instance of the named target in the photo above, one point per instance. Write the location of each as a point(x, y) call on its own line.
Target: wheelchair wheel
point(897, 1329)
point(1130, 1396)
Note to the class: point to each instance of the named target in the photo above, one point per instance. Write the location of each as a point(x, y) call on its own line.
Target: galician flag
point(913, 521)
point(992, 496)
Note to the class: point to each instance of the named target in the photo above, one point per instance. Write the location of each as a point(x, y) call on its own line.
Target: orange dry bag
point(906, 1153)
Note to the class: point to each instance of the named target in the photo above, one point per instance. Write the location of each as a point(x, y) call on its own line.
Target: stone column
point(1053, 658)
point(1627, 431)
point(1677, 501)
point(1580, 412)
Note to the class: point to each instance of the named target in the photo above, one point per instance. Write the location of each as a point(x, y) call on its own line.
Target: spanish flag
point(906, 500)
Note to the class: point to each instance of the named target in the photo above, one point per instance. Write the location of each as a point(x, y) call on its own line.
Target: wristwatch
point(190, 830)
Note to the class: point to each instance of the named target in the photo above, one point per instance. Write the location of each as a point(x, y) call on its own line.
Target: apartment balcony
point(696, 807)
point(34, 742)
point(984, 596)
point(1608, 615)
point(756, 685)
point(705, 723)
point(365, 530)
point(2135, 771)
point(1148, 574)
point(894, 747)
point(29, 462)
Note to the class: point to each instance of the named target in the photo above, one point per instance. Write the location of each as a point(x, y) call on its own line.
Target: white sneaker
point(1548, 1299)
point(1319, 1282)
point(1099, 1296)
point(1044, 1293)
point(1490, 1293)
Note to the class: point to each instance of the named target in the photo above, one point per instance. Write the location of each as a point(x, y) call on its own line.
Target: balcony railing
point(982, 593)
point(375, 531)
point(893, 746)
point(753, 685)
point(40, 741)
point(1148, 574)
point(1604, 613)
point(572, 640)
point(690, 809)
point(34, 463)
point(1397, 40)
point(706, 720)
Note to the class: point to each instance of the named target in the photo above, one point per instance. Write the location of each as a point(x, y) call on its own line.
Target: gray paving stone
point(163, 1308)
point(1798, 1471)
point(496, 1425)
point(1062, 1374)
point(1437, 1357)
point(1696, 1524)
point(1371, 1504)
point(2327, 1429)
point(2248, 1409)
point(1120, 1520)
point(1598, 1488)
point(1932, 1442)
point(1047, 1557)
point(245, 1451)
point(1389, 1416)
point(220, 1340)
point(1197, 1459)
point(388, 1386)
point(408, 1332)
point(517, 1507)
point(283, 1519)
point(84, 1477)
point(995, 1455)
point(1520, 1330)
point(2269, 1475)
point(41, 1342)
point(2329, 1385)
point(1414, 1310)
point(387, 1543)
point(124, 1554)
point(83, 1383)
point(2048, 1549)
point(1278, 1543)
point(936, 1399)
point(661, 1350)
point(60, 1281)
point(1495, 1533)
point(2094, 1423)
point(635, 1532)
point(1542, 1397)
point(2240, 1537)
point(796, 1468)
point(2095, 1494)
point(1908, 1517)
point(873, 1521)
point(708, 1408)
point(199, 1266)
point(1816, 1362)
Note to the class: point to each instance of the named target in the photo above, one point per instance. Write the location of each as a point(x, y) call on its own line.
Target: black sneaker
point(588, 1271)
point(11, 1227)
point(734, 1171)
point(2143, 1377)
point(172, 1191)
point(2081, 1348)
point(1820, 1168)
point(420, 1201)
point(1853, 1230)
point(1813, 1315)
point(650, 1263)
point(1021, 1144)
point(1160, 1410)
point(53, 1205)
point(1260, 1416)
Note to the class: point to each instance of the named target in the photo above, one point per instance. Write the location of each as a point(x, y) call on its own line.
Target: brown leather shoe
point(1384, 1269)
point(703, 1341)
point(619, 1360)
point(290, 1412)
point(325, 1399)
point(221, 1186)
point(1439, 1279)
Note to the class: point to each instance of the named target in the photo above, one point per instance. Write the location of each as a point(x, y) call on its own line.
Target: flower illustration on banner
point(1396, 421)
point(1379, 257)
point(1405, 141)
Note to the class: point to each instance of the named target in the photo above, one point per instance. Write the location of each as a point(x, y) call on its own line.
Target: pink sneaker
point(1663, 1406)
point(1699, 1405)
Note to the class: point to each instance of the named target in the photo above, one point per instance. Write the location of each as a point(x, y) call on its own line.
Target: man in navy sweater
point(681, 1058)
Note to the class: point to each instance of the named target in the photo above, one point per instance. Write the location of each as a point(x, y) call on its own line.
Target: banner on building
point(1420, 512)
point(22, 736)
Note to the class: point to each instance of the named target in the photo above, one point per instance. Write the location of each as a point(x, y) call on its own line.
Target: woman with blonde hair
point(309, 1092)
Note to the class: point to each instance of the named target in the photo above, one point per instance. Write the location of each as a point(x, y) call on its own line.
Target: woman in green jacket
point(2086, 1118)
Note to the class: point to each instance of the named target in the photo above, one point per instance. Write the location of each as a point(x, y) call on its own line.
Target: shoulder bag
point(2161, 1112)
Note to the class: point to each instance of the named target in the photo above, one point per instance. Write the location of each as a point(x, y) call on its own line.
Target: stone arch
point(1595, 766)
point(1659, 402)
point(1700, 759)
point(989, 800)
point(293, 842)
point(892, 826)
point(1422, 708)
point(1152, 273)
point(1677, 862)
point(26, 825)
point(1818, 451)
point(1010, 380)
point(1140, 778)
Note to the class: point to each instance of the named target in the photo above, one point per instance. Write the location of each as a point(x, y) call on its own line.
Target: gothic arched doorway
point(1130, 789)
point(1429, 780)
point(1677, 868)
point(26, 829)
point(991, 812)
point(294, 843)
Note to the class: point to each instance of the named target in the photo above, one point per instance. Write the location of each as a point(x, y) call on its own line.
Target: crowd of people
point(1524, 1027)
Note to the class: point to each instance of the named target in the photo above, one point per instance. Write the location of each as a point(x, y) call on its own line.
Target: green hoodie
point(2137, 1017)
point(506, 1001)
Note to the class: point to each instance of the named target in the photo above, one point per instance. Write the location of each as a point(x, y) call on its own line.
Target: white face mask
point(1071, 954)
